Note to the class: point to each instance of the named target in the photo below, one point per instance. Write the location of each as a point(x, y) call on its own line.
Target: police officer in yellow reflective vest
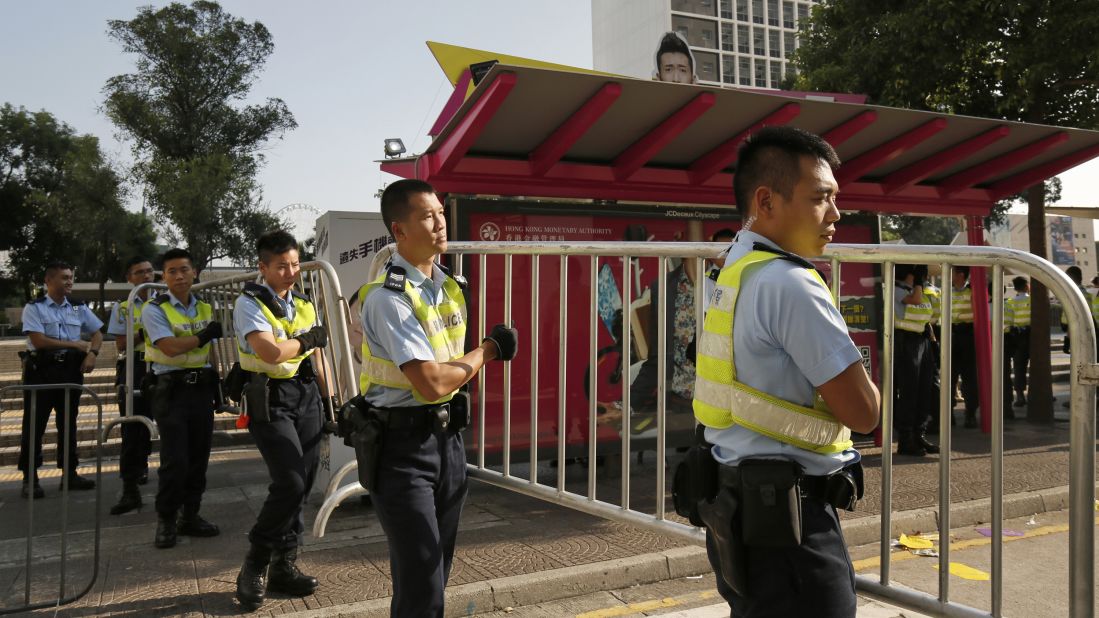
point(1019, 306)
point(413, 363)
point(963, 364)
point(133, 461)
point(178, 330)
point(780, 386)
point(277, 334)
point(913, 395)
point(932, 331)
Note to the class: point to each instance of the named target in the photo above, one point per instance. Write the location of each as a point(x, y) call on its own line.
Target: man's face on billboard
point(675, 67)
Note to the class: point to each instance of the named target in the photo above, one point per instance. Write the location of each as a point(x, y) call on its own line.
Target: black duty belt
point(839, 489)
point(56, 356)
point(414, 417)
point(189, 376)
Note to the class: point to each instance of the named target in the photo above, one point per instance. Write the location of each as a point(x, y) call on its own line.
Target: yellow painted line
point(644, 606)
point(875, 561)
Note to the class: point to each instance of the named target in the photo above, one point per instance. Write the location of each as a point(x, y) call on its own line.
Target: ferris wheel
point(300, 218)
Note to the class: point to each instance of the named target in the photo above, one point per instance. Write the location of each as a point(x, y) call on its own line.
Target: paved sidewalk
point(512, 551)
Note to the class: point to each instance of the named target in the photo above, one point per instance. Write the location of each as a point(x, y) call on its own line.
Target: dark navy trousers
point(290, 444)
point(813, 579)
point(133, 460)
point(422, 486)
point(184, 416)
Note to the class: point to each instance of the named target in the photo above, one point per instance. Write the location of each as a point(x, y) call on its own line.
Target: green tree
point(1030, 60)
point(198, 147)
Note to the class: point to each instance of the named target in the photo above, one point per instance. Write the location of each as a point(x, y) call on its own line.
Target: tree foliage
point(198, 146)
point(62, 199)
point(1030, 60)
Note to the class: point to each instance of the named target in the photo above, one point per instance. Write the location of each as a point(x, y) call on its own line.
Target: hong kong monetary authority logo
point(489, 231)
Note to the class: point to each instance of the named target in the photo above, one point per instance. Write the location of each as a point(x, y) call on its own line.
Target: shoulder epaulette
point(395, 279)
point(265, 297)
point(75, 302)
point(40, 299)
point(160, 299)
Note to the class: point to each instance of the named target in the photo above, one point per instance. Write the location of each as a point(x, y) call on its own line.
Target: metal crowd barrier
point(101, 432)
point(1085, 375)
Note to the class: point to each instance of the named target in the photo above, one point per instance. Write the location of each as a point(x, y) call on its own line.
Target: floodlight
point(394, 147)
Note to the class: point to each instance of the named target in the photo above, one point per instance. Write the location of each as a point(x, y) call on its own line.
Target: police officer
point(912, 369)
point(1020, 334)
point(178, 330)
point(414, 324)
point(56, 354)
point(930, 397)
point(277, 332)
point(133, 462)
point(963, 365)
point(779, 390)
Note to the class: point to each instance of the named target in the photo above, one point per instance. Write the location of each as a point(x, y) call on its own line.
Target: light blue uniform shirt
point(394, 333)
point(899, 292)
point(248, 317)
point(63, 321)
point(788, 338)
point(158, 327)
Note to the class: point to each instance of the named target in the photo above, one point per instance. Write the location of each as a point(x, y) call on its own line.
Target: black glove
point(330, 407)
point(212, 331)
point(506, 340)
point(316, 337)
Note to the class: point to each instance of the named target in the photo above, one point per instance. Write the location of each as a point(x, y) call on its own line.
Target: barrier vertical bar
point(593, 386)
point(507, 369)
point(66, 487)
point(535, 299)
point(946, 415)
point(997, 451)
point(561, 351)
point(836, 283)
point(888, 283)
point(483, 265)
point(31, 472)
point(626, 360)
point(661, 378)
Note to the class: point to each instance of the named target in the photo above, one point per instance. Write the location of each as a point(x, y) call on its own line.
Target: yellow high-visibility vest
point(934, 296)
point(123, 310)
point(961, 305)
point(722, 401)
point(305, 316)
point(915, 317)
point(182, 326)
point(444, 324)
point(1020, 311)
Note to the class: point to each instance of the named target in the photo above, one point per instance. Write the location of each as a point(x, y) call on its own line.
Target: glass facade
point(758, 38)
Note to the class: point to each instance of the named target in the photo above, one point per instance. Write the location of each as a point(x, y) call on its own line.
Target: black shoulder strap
point(395, 279)
point(714, 273)
point(297, 294)
point(159, 300)
point(462, 282)
point(264, 296)
point(786, 255)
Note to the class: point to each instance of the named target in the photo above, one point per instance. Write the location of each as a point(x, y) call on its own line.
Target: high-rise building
point(735, 42)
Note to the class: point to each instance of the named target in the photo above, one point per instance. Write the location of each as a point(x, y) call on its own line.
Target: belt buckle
point(190, 378)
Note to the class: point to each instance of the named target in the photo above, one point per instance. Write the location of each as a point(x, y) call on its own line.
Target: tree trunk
point(1040, 386)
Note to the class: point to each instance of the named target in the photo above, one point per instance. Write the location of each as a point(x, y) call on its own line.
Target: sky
point(352, 72)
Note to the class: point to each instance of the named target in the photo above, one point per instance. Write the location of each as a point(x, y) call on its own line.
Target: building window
point(760, 72)
point(776, 74)
point(742, 10)
point(744, 63)
point(757, 11)
point(698, 32)
point(788, 40)
point(707, 66)
point(728, 69)
point(758, 42)
point(788, 14)
point(772, 12)
point(772, 40)
point(726, 9)
point(743, 39)
point(698, 7)
point(803, 12)
point(727, 42)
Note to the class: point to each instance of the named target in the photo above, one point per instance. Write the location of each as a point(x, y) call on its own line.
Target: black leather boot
point(252, 579)
point(286, 577)
point(165, 532)
point(907, 444)
point(192, 524)
point(927, 445)
point(130, 500)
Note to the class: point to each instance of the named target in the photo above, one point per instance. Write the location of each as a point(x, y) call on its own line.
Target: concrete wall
point(625, 34)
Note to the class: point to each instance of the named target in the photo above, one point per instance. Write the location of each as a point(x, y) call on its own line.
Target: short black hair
point(1019, 283)
point(772, 157)
point(56, 265)
point(1075, 274)
point(903, 270)
point(175, 254)
point(962, 269)
point(724, 232)
point(672, 43)
point(275, 242)
point(395, 200)
point(920, 271)
point(134, 261)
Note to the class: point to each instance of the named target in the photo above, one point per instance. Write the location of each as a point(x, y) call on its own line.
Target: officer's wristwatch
point(96, 352)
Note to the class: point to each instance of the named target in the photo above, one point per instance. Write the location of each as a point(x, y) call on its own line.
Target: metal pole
point(888, 283)
point(661, 377)
point(507, 369)
point(626, 359)
point(946, 414)
point(561, 356)
point(31, 471)
point(593, 386)
point(535, 299)
point(836, 291)
point(482, 267)
point(997, 452)
point(66, 487)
